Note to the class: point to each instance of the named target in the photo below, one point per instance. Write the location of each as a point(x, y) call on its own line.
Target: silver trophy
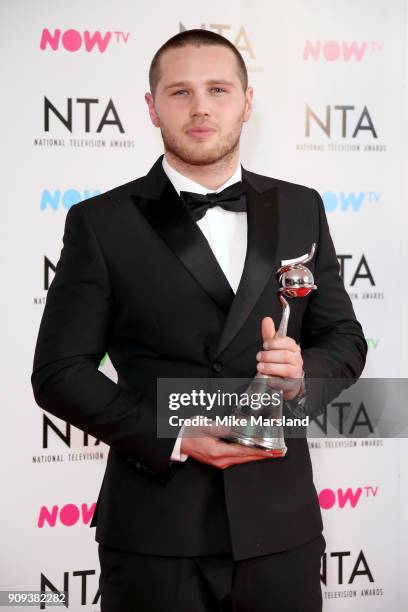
point(297, 281)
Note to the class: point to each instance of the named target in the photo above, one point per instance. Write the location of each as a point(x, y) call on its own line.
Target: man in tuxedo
point(174, 281)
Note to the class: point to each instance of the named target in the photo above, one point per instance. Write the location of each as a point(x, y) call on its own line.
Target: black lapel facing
point(162, 207)
point(158, 201)
point(260, 262)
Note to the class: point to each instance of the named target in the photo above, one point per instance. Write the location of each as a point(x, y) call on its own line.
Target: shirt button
point(138, 464)
point(217, 366)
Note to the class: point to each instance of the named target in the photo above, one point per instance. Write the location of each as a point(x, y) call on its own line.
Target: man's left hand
point(281, 360)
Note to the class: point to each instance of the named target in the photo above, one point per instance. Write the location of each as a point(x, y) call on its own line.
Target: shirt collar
point(182, 183)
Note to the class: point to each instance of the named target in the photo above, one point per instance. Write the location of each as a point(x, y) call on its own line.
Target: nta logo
point(49, 271)
point(240, 41)
point(72, 40)
point(361, 271)
point(63, 435)
point(339, 115)
point(346, 418)
point(328, 498)
point(341, 568)
point(78, 592)
point(110, 115)
point(333, 50)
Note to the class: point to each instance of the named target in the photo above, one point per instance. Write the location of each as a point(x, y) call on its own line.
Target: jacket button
point(217, 366)
point(138, 465)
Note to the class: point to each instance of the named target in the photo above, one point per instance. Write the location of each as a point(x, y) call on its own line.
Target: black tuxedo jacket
point(137, 279)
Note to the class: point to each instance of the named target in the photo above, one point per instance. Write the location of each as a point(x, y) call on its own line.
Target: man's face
point(199, 104)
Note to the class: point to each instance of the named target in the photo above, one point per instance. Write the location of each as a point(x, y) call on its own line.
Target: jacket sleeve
point(73, 338)
point(333, 344)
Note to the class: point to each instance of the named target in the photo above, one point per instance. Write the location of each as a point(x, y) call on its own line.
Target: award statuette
point(297, 281)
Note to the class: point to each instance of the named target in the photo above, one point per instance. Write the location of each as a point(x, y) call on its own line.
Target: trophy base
point(268, 444)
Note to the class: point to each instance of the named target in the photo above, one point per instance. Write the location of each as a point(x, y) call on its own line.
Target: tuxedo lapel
point(158, 201)
point(260, 262)
point(162, 207)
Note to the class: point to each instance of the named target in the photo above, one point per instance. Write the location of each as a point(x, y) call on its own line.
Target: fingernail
point(265, 345)
point(260, 367)
point(258, 356)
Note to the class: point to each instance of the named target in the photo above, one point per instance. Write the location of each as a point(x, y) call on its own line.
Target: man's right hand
point(213, 451)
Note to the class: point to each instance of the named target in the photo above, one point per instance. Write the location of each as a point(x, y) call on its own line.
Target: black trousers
point(288, 581)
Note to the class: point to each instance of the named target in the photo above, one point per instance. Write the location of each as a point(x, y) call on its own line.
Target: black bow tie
point(232, 198)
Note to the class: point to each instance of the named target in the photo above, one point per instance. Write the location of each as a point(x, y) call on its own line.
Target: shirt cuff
point(177, 455)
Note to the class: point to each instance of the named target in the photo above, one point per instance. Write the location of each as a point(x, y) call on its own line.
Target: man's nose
point(199, 105)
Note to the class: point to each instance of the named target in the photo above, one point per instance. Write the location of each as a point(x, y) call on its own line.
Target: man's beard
point(193, 155)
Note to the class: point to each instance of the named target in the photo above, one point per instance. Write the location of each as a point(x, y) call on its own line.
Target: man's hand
point(209, 449)
point(281, 361)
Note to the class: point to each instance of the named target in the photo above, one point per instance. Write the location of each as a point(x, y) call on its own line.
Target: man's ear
point(152, 111)
point(248, 104)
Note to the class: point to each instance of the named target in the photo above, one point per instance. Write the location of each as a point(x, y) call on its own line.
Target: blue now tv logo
point(350, 201)
point(57, 199)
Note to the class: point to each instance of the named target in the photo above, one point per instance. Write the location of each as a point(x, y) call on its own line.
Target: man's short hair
point(196, 38)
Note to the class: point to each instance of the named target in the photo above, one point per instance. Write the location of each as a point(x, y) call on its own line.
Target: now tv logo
point(67, 515)
point(57, 198)
point(333, 50)
point(73, 40)
point(329, 498)
point(345, 201)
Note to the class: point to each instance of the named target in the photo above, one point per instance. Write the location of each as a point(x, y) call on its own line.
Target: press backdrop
point(330, 112)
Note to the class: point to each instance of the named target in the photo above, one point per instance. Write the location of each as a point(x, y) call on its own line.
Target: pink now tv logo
point(67, 515)
point(341, 498)
point(73, 40)
point(333, 50)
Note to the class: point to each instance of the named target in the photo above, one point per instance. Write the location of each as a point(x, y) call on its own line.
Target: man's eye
point(217, 89)
point(179, 92)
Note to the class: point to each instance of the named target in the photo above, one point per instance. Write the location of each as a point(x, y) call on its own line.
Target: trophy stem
point(283, 325)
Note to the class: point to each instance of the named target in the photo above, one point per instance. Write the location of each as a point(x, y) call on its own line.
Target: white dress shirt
point(226, 233)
